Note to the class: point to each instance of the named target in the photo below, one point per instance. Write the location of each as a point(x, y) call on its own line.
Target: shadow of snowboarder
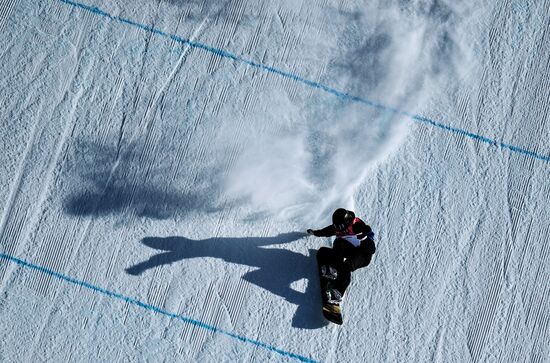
point(277, 268)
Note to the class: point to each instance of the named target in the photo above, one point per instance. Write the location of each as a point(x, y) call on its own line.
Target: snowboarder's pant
point(345, 258)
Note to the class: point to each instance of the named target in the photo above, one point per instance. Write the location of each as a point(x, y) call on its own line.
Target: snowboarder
point(352, 249)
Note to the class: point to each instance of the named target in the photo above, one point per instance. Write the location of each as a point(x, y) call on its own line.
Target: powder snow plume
point(313, 159)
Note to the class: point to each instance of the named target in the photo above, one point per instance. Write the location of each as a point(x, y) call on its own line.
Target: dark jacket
point(359, 228)
point(355, 245)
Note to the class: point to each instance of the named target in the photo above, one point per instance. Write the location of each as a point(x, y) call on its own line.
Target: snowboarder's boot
point(332, 308)
point(334, 297)
point(329, 272)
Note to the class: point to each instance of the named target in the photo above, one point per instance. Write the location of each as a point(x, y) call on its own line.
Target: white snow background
point(161, 159)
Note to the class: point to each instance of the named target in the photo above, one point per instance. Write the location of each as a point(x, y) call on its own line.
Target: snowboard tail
point(333, 313)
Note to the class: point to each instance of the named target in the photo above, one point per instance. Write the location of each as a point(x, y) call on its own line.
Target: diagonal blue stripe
point(155, 309)
point(340, 94)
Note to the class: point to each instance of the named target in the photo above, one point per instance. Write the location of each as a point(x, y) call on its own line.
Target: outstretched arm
point(328, 231)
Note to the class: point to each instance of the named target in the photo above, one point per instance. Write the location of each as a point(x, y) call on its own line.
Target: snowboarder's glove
point(310, 231)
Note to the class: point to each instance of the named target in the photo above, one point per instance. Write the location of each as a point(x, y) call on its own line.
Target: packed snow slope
point(161, 160)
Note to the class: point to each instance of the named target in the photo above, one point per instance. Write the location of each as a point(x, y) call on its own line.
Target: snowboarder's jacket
point(358, 234)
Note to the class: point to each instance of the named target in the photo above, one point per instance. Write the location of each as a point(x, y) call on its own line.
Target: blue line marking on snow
point(155, 309)
point(340, 94)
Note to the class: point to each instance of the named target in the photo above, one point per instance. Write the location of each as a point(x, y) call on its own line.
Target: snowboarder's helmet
point(342, 218)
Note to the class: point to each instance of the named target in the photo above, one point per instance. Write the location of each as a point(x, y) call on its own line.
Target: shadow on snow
point(107, 180)
point(277, 268)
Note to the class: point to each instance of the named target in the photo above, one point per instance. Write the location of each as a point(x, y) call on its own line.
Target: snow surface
point(161, 160)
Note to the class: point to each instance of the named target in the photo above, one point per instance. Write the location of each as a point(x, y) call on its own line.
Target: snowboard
point(331, 312)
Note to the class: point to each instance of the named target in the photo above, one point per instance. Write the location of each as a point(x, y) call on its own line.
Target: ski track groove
point(184, 332)
point(59, 13)
point(541, 274)
point(257, 80)
point(492, 308)
point(211, 312)
point(83, 32)
point(172, 42)
point(157, 292)
point(90, 274)
point(6, 8)
point(236, 295)
point(254, 39)
point(211, 315)
point(233, 292)
point(438, 354)
point(52, 173)
point(31, 350)
point(479, 332)
point(10, 240)
point(432, 260)
point(234, 14)
point(114, 256)
point(50, 253)
point(480, 113)
point(13, 233)
point(517, 192)
point(464, 106)
point(33, 346)
point(512, 326)
point(221, 101)
point(292, 39)
point(190, 334)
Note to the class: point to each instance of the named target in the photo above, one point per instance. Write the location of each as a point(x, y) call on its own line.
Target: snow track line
point(6, 7)
point(152, 308)
point(313, 84)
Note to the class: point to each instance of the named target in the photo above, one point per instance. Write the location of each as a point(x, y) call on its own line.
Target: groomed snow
point(162, 159)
